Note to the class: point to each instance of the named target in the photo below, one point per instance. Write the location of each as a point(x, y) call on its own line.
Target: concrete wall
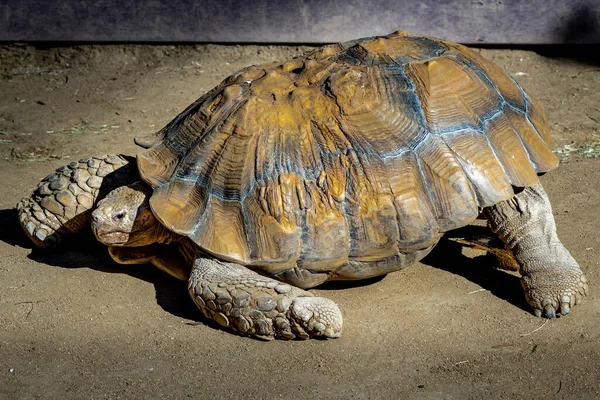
point(303, 21)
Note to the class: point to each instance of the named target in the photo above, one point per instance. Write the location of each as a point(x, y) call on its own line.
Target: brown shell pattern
point(356, 152)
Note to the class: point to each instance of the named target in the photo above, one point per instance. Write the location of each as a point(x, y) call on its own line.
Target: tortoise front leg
point(551, 278)
point(61, 203)
point(241, 299)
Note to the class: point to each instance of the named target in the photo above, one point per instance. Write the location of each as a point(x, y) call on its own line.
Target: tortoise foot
point(318, 316)
point(251, 304)
point(550, 292)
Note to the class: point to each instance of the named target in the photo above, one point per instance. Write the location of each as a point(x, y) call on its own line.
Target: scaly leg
point(61, 203)
point(242, 300)
point(552, 279)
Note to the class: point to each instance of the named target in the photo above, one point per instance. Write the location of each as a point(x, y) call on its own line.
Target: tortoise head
point(124, 217)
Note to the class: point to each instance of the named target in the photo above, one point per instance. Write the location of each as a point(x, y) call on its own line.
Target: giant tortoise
point(346, 163)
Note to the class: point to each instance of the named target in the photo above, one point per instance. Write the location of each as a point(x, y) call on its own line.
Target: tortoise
point(346, 163)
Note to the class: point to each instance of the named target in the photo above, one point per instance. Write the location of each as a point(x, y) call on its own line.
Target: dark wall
point(304, 21)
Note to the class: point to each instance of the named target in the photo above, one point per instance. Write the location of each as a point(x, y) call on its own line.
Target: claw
point(549, 311)
point(318, 316)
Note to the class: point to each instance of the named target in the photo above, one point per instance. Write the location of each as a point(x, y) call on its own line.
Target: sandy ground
point(76, 325)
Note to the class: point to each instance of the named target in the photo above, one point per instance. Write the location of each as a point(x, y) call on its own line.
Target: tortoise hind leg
point(241, 299)
point(61, 203)
point(551, 278)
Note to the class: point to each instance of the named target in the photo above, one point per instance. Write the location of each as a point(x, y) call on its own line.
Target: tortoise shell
point(356, 153)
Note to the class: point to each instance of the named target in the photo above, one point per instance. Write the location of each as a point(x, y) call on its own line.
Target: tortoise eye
point(119, 216)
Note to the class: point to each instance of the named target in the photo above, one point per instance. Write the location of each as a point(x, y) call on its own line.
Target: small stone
point(94, 182)
point(265, 303)
point(242, 300)
point(221, 319)
point(283, 288)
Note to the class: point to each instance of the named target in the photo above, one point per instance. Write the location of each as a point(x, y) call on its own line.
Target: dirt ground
point(76, 325)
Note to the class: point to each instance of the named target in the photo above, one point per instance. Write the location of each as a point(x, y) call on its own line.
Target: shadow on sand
point(82, 251)
point(172, 296)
